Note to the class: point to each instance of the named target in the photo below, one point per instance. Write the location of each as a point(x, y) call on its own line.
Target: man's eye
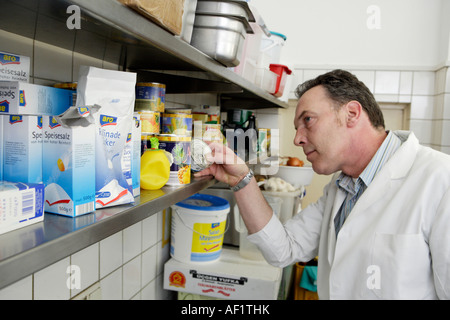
point(307, 119)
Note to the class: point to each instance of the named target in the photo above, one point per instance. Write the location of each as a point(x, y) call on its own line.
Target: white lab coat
point(395, 244)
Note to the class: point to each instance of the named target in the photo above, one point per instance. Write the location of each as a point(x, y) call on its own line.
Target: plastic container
point(198, 227)
point(155, 167)
point(266, 79)
point(297, 176)
point(250, 54)
point(290, 204)
point(270, 50)
point(282, 71)
point(247, 249)
point(288, 88)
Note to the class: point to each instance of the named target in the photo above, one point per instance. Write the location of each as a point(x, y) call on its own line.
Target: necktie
point(348, 204)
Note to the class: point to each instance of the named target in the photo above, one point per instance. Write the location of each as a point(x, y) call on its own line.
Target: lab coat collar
point(407, 153)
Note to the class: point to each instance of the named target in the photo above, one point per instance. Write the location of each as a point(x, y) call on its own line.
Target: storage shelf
point(164, 51)
point(29, 249)
point(145, 45)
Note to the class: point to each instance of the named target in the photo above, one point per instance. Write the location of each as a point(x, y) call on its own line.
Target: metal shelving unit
point(145, 47)
point(149, 50)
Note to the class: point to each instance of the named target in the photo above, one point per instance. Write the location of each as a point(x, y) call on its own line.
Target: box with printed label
point(136, 154)
point(21, 204)
point(26, 98)
point(22, 148)
point(231, 277)
point(68, 168)
point(14, 67)
point(1, 147)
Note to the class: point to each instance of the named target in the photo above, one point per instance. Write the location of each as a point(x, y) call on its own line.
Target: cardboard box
point(26, 98)
point(1, 147)
point(131, 160)
point(68, 168)
point(136, 154)
point(21, 204)
point(231, 277)
point(14, 67)
point(166, 13)
point(22, 148)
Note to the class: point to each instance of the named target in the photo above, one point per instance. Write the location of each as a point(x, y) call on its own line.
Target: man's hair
point(343, 87)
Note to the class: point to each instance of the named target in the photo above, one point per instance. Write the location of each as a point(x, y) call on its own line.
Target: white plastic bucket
point(198, 226)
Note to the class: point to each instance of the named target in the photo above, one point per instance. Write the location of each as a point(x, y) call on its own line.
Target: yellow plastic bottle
point(155, 167)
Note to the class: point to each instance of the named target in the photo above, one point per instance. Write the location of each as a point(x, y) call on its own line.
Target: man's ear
point(354, 111)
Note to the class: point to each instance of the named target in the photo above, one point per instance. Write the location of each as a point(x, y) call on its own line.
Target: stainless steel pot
point(220, 37)
point(226, 7)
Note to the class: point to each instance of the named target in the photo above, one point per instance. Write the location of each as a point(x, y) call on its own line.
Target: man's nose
point(299, 139)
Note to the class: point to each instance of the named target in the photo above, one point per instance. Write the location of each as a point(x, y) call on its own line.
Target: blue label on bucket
point(204, 202)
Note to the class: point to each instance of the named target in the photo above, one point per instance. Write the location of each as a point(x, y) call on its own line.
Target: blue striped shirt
point(355, 187)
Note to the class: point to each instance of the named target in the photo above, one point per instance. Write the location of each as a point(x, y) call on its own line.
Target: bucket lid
point(274, 66)
point(279, 35)
point(204, 202)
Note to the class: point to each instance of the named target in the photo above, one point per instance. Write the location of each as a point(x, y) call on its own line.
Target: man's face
point(321, 131)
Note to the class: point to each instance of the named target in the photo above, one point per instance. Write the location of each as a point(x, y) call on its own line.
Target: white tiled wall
point(128, 265)
point(427, 93)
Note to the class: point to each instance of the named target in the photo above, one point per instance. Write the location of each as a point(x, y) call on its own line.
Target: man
point(381, 229)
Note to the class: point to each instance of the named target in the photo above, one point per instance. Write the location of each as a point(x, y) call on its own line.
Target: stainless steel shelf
point(164, 51)
point(144, 45)
point(29, 249)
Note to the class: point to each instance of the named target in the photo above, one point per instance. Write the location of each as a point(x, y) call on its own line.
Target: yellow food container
point(155, 167)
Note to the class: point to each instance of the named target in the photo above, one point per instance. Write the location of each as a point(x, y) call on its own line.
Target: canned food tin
point(212, 132)
point(150, 96)
point(150, 122)
point(178, 110)
point(197, 116)
point(180, 149)
point(176, 123)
